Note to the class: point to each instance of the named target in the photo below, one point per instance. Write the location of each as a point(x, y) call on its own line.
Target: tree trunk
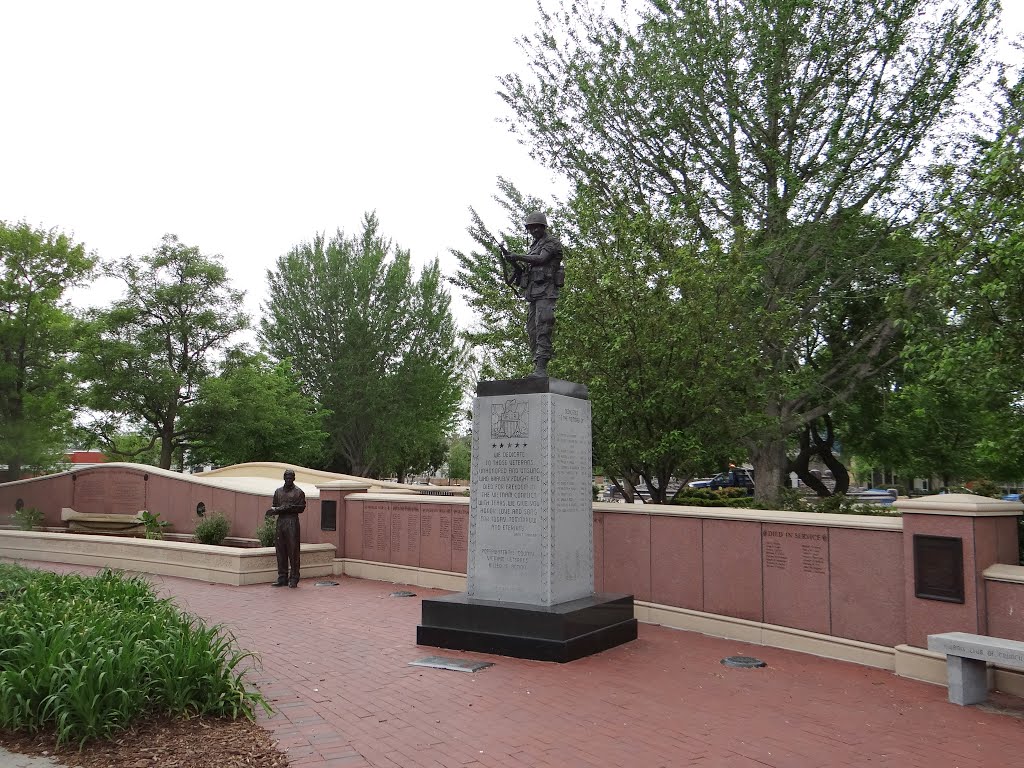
point(13, 470)
point(625, 489)
point(770, 461)
point(166, 447)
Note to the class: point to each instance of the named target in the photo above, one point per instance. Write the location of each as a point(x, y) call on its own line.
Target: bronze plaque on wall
point(939, 568)
point(328, 515)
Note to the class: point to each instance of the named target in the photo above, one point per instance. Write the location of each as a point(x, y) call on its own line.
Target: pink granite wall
point(1005, 609)
point(423, 535)
point(795, 568)
point(677, 577)
point(121, 490)
point(732, 569)
point(995, 541)
point(626, 548)
point(866, 594)
point(48, 495)
point(856, 583)
point(925, 616)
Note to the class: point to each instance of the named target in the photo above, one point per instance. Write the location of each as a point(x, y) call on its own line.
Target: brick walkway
point(335, 665)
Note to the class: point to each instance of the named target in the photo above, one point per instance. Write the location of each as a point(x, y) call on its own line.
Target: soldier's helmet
point(536, 218)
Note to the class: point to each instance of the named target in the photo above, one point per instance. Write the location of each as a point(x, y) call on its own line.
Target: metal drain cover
point(456, 665)
point(744, 662)
point(326, 584)
point(403, 593)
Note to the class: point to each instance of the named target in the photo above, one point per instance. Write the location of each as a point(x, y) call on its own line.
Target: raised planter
point(220, 565)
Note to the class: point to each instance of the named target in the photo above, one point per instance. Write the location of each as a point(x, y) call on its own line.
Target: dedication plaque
point(939, 568)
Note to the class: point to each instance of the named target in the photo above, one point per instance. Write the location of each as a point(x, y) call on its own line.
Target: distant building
point(79, 459)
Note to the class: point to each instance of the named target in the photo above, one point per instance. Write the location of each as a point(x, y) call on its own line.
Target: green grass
point(88, 655)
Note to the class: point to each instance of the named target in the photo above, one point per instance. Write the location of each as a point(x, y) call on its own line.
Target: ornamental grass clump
point(85, 656)
point(266, 531)
point(212, 529)
point(27, 518)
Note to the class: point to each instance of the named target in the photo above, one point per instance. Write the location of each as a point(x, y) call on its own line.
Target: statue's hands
point(270, 512)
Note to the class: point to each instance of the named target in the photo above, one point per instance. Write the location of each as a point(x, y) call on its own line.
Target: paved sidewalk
point(335, 665)
point(12, 760)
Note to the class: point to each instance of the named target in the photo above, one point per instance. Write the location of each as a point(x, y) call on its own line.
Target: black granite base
point(533, 385)
point(561, 633)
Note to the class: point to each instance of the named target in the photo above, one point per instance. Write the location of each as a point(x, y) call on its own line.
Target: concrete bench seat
point(85, 522)
point(967, 658)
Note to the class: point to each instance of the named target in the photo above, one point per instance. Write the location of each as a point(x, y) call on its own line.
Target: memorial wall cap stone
point(959, 505)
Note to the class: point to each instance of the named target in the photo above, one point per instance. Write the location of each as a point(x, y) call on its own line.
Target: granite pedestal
point(530, 566)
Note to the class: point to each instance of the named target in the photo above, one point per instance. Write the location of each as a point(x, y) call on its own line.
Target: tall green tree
point(460, 457)
point(760, 128)
point(154, 346)
point(253, 409)
point(38, 331)
point(953, 409)
point(371, 343)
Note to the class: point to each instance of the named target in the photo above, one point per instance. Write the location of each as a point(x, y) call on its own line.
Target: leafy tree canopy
point(37, 336)
point(254, 410)
point(371, 343)
point(154, 346)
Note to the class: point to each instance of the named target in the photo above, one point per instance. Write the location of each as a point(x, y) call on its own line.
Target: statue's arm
point(549, 251)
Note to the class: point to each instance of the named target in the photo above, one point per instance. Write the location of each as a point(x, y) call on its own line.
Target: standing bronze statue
point(538, 274)
point(289, 502)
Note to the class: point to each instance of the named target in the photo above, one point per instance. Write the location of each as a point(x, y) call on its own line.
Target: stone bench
point(967, 658)
point(85, 522)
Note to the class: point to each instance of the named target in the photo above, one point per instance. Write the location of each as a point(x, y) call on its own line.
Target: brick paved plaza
point(335, 665)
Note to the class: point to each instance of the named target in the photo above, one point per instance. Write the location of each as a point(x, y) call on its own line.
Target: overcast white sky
point(246, 127)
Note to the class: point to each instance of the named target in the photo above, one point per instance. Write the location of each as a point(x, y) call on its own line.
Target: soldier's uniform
point(539, 281)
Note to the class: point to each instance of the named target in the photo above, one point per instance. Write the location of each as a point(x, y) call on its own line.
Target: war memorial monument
point(530, 566)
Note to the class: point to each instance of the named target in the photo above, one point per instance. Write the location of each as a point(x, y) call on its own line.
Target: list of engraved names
point(807, 549)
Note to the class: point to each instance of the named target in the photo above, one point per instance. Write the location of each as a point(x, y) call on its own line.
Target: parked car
point(736, 477)
point(883, 496)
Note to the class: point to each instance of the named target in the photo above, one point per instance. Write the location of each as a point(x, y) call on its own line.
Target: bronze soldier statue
point(538, 274)
point(289, 502)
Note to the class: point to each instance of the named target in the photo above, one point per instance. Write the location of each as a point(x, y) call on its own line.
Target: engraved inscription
point(813, 558)
point(458, 532)
point(368, 528)
point(774, 555)
point(90, 490)
point(127, 495)
point(382, 532)
point(531, 526)
point(396, 531)
point(780, 549)
point(412, 542)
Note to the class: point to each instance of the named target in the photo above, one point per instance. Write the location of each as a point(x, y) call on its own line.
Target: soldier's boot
point(282, 581)
point(540, 368)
